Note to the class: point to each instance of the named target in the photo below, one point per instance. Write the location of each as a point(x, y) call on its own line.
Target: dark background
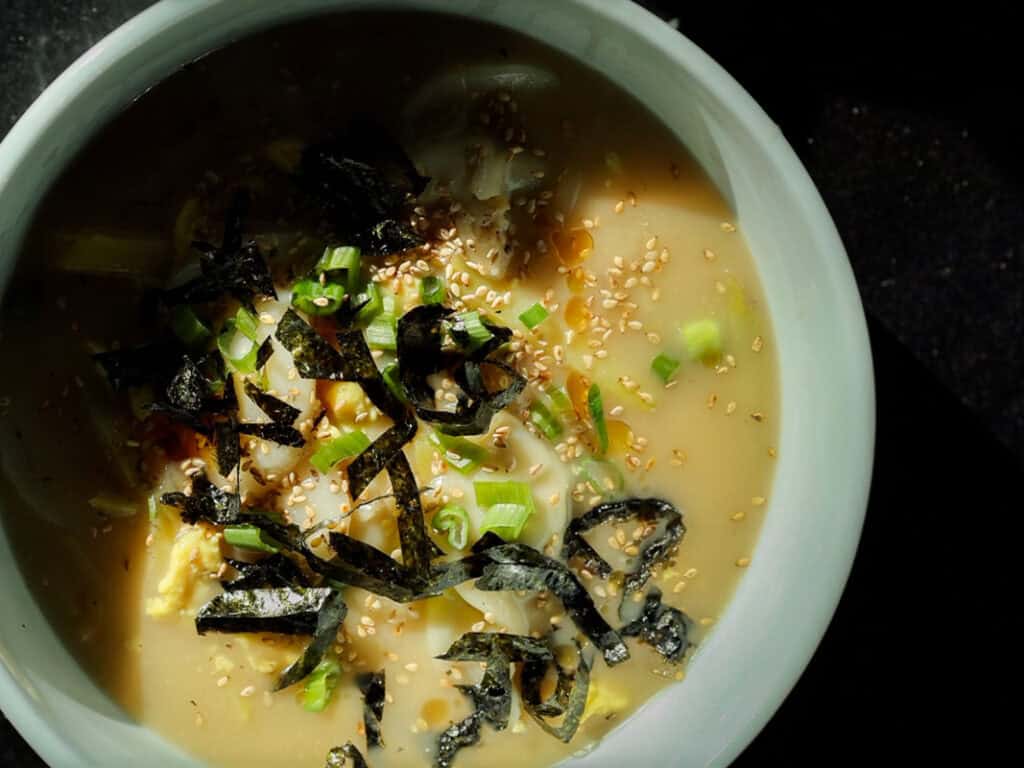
point(906, 119)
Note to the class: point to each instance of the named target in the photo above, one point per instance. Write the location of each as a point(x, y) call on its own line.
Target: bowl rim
point(25, 713)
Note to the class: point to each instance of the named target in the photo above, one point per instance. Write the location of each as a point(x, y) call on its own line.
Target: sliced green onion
point(561, 405)
point(545, 421)
point(316, 298)
point(114, 506)
point(382, 332)
point(153, 507)
point(454, 521)
point(250, 537)
point(341, 447)
point(390, 376)
point(345, 257)
point(664, 367)
point(703, 340)
point(459, 453)
point(601, 476)
point(534, 316)
point(432, 290)
point(506, 520)
point(245, 323)
point(370, 303)
point(596, 407)
point(470, 324)
point(188, 327)
point(320, 685)
point(509, 505)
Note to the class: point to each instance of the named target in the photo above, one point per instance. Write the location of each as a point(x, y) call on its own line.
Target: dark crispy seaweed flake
point(273, 571)
point(328, 621)
point(282, 434)
point(517, 567)
point(372, 686)
point(337, 757)
point(654, 550)
point(661, 626)
point(287, 610)
point(481, 646)
point(464, 733)
point(368, 464)
point(360, 565)
point(277, 410)
point(207, 502)
point(568, 702)
point(314, 358)
point(188, 388)
point(417, 548)
point(229, 451)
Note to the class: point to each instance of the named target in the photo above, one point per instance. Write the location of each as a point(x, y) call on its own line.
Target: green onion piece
point(545, 421)
point(114, 506)
point(341, 447)
point(459, 453)
point(534, 316)
point(601, 476)
point(509, 505)
point(246, 323)
point(344, 257)
point(390, 376)
point(664, 367)
point(370, 303)
point(454, 521)
point(506, 520)
point(703, 340)
point(316, 298)
point(382, 332)
point(153, 507)
point(320, 685)
point(432, 290)
point(250, 537)
point(561, 405)
point(596, 407)
point(188, 327)
point(474, 328)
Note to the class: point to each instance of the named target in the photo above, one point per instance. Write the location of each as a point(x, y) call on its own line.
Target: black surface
point(904, 121)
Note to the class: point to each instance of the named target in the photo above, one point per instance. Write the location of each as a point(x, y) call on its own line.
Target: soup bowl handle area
point(784, 603)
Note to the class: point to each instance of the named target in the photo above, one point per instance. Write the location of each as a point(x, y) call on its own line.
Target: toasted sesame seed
point(249, 690)
point(743, 562)
point(758, 344)
point(738, 516)
point(757, 501)
point(709, 255)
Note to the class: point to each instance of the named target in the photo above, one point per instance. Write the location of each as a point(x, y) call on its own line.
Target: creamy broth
point(666, 251)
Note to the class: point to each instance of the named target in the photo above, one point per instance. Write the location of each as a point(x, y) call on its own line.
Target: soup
point(381, 394)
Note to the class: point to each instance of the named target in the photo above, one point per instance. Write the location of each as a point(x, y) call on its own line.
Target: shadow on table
point(903, 671)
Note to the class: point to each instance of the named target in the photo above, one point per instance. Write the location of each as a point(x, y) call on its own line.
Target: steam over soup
point(385, 388)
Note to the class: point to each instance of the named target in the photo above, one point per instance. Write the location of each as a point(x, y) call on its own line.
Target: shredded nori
point(273, 571)
point(517, 567)
point(372, 686)
point(363, 180)
point(336, 757)
point(368, 464)
point(421, 354)
point(654, 549)
point(361, 565)
point(568, 701)
point(661, 626)
point(314, 358)
point(234, 268)
point(207, 502)
point(328, 621)
point(464, 733)
point(229, 450)
point(286, 610)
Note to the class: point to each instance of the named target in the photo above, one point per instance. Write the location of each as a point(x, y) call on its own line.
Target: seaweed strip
point(357, 365)
point(287, 610)
point(188, 388)
point(273, 571)
point(207, 502)
point(517, 567)
point(372, 686)
point(314, 358)
point(569, 700)
point(417, 548)
point(229, 450)
point(337, 757)
point(654, 550)
point(464, 733)
point(359, 564)
point(368, 464)
point(663, 627)
point(282, 434)
point(328, 621)
point(277, 410)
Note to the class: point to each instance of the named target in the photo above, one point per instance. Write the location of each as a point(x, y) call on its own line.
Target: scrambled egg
point(602, 701)
point(345, 399)
point(194, 555)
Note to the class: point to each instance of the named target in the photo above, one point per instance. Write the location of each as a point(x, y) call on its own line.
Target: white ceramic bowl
point(781, 610)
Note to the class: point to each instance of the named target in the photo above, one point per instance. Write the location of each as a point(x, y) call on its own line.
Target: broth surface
point(589, 153)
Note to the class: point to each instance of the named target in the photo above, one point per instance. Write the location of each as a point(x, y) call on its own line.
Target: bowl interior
point(784, 603)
